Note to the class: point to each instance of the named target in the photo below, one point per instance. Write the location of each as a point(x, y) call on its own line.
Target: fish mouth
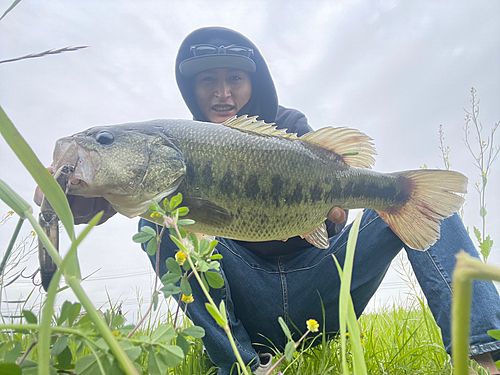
point(69, 153)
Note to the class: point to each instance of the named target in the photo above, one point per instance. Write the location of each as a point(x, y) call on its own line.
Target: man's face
point(222, 92)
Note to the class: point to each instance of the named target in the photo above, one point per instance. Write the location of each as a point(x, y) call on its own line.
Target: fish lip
point(69, 152)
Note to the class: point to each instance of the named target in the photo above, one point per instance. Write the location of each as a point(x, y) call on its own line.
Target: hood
point(264, 99)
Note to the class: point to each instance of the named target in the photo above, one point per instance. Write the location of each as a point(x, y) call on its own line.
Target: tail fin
point(433, 197)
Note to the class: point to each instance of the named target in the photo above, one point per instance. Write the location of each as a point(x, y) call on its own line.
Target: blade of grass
point(347, 315)
point(10, 245)
point(44, 53)
point(10, 8)
point(13, 200)
point(43, 178)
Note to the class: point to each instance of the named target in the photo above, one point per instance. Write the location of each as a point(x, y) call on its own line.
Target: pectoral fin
point(204, 211)
point(318, 237)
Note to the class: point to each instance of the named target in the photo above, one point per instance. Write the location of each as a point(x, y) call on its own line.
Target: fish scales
point(273, 188)
point(246, 180)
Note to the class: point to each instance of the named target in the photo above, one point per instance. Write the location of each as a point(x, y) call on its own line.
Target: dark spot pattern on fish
point(207, 177)
point(276, 189)
point(402, 195)
point(335, 193)
point(297, 195)
point(240, 173)
point(356, 189)
point(252, 188)
point(387, 192)
point(316, 193)
point(372, 190)
point(226, 184)
point(190, 173)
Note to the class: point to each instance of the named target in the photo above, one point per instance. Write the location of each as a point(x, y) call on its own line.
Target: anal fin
point(318, 237)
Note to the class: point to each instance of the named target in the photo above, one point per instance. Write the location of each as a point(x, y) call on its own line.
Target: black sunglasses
point(210, 49)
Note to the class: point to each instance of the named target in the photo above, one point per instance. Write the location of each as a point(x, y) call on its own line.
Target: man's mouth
point(223, 108)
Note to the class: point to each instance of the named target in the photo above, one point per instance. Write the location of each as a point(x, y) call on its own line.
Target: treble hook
point(32, 276)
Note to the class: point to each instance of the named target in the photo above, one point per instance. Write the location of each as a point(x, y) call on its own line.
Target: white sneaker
point(264, 368)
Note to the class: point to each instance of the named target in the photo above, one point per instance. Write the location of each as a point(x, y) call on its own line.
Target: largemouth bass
point(246, 180)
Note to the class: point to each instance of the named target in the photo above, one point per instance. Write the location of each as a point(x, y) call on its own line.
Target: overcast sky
point(394, 69)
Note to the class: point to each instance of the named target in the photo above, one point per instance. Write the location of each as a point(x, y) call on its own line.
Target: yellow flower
point(187, 299)
point(10, 213)
point(116, 333)
point(362, 342)
point(155, 214)
point(312, 325)
point(347, 335)
point(180, 258)
point(33, 233)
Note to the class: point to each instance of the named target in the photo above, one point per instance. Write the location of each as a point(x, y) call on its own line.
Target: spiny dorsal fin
point(352, 145)
point(355, 147)
point(251, 124)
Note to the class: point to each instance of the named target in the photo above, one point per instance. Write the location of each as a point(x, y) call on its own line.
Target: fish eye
point(105, 138)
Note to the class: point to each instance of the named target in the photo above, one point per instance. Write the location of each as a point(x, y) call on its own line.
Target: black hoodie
point(263, 102)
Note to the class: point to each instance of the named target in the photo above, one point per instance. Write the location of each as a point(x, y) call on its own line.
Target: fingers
point(38, 197)
point(336, 215)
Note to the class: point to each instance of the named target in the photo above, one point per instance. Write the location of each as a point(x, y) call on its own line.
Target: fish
point(246, 180)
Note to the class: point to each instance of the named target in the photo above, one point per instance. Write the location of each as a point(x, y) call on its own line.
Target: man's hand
point(83, 209)
point(336, 215)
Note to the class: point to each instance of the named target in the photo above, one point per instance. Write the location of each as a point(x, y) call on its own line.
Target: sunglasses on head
point(210, 49)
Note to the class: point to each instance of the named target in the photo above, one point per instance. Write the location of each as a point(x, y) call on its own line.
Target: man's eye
point(235, 78)
point(207, 79)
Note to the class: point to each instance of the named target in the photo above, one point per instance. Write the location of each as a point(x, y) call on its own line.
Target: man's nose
point(222, 90)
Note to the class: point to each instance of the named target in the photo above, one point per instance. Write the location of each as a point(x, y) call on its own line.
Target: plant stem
point(29, 326)
point(157, 275)
point(283, 357)
point(21, 360)
point(226, 326)
point(466, 270)
point(44, 332)
point(11, 244)
point(8, 252)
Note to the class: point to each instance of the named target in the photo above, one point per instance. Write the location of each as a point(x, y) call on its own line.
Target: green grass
point(396, 340)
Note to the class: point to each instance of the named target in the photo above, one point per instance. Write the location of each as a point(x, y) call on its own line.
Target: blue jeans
point(259, 290)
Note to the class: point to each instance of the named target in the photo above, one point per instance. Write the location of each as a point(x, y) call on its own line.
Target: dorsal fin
point(355, 147)
point(251, 124)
